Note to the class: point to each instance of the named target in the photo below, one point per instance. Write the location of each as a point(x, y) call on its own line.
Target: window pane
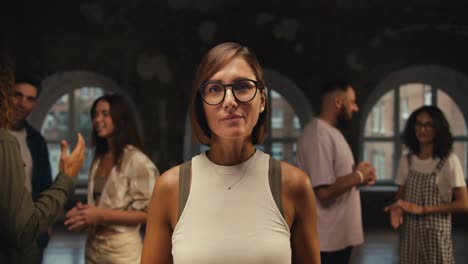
point(54, 157)
point(452, 112)
point(57, 123)
point(55, 126)
point(380, 120)
point(412, 96)
point(277, 151)
point(296, 122)
point(275, 95)
point(460, 149)
point(83, 104)
point(284, 122)
point(277, 118)
point(380, 155)
point(285, 151)
point(260, 147)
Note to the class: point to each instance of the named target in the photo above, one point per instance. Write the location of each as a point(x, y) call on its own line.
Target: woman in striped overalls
point(428, 177)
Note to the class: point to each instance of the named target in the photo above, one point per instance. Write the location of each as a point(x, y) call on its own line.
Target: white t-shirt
point(20, 136)
point(451, 175)
point(324, 154)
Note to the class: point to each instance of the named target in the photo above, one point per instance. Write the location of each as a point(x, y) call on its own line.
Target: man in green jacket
point(21, 219)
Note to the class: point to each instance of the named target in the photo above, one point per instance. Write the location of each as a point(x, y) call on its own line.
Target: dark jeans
point(336, 257)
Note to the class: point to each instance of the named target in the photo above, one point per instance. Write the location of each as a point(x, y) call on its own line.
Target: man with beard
point(32, 145)
point(325, 155)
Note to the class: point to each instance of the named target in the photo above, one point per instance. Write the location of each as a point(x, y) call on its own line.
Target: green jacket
point(21, 219)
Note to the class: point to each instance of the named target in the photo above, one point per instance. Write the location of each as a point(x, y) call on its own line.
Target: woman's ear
point(263, 101)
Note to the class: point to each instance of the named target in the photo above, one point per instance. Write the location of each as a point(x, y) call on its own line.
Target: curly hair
point(6, 90)
point(443, 139)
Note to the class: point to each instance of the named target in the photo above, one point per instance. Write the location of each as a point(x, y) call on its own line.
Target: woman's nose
point(230, 101)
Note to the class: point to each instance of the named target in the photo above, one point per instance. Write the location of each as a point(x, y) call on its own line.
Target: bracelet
point(361, 176)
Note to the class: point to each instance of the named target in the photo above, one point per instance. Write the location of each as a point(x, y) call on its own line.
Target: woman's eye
point(243, 86)
point(214, 88)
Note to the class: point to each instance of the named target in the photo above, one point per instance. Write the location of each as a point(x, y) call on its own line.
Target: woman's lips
point(231, 117)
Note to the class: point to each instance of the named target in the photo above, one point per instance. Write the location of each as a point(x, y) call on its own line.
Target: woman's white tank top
point(241, 224)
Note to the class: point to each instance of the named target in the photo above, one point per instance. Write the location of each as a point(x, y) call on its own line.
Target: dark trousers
point(336, 257)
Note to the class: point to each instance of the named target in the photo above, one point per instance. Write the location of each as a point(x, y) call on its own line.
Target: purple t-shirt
point(324, 154)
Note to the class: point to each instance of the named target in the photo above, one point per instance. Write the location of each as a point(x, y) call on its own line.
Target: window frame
point(59, 84)
point(436, 77)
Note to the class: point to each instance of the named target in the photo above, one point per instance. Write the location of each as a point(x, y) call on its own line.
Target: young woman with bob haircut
point(232, 203)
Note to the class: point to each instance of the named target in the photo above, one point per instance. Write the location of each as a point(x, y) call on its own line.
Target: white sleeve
point(323, 172)
point(315, 157)
point(143, 177)
point(403, 170)
point(454, 172)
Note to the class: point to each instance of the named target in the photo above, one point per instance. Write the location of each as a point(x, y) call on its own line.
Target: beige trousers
point(114, 249)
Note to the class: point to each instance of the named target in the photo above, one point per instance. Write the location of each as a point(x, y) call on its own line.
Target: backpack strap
point(184, 184)
point(275, 180)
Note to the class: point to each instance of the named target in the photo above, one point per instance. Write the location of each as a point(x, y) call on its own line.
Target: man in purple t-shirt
point(325, 155)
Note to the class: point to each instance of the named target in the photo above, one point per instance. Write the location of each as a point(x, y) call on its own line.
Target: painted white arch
point(454, 83)
point(448, 80)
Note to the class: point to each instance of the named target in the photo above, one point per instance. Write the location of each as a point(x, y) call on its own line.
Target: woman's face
point(232, 119)
point(424, 128)
point(102, 120)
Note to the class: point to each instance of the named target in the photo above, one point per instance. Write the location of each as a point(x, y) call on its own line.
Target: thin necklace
point(236, 182)
point(229, 187)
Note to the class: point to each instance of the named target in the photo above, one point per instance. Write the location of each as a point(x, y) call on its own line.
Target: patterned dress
point(425, 239)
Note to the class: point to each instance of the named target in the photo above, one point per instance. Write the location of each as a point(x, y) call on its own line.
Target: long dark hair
point(443, 139)
point(125, 131)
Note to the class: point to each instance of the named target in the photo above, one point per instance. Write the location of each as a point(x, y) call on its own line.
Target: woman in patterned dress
point(120, 184)
point(428, 177)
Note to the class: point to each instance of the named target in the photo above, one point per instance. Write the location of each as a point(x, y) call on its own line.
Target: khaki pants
point(114, 249)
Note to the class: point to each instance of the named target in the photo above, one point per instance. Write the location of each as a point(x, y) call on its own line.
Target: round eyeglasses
point(244, 90)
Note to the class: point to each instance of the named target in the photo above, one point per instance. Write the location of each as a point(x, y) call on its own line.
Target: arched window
point(63, 110)
point(396, 98)
point(289, 112)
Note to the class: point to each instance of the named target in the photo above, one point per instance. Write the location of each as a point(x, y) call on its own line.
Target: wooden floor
point(380, 247)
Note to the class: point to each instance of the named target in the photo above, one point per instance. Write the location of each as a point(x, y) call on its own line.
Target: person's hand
point(82, 216)
point(410, 208)
point(396, 215)
point(368, 173)
point(71, 164)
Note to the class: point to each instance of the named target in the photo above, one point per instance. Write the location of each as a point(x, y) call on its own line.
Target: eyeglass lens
point(214, 93)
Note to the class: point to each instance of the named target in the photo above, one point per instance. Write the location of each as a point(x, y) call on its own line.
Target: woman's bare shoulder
point(168, 181)
point(295, 181)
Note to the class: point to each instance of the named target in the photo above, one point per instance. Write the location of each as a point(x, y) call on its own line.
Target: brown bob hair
point(216, 58)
